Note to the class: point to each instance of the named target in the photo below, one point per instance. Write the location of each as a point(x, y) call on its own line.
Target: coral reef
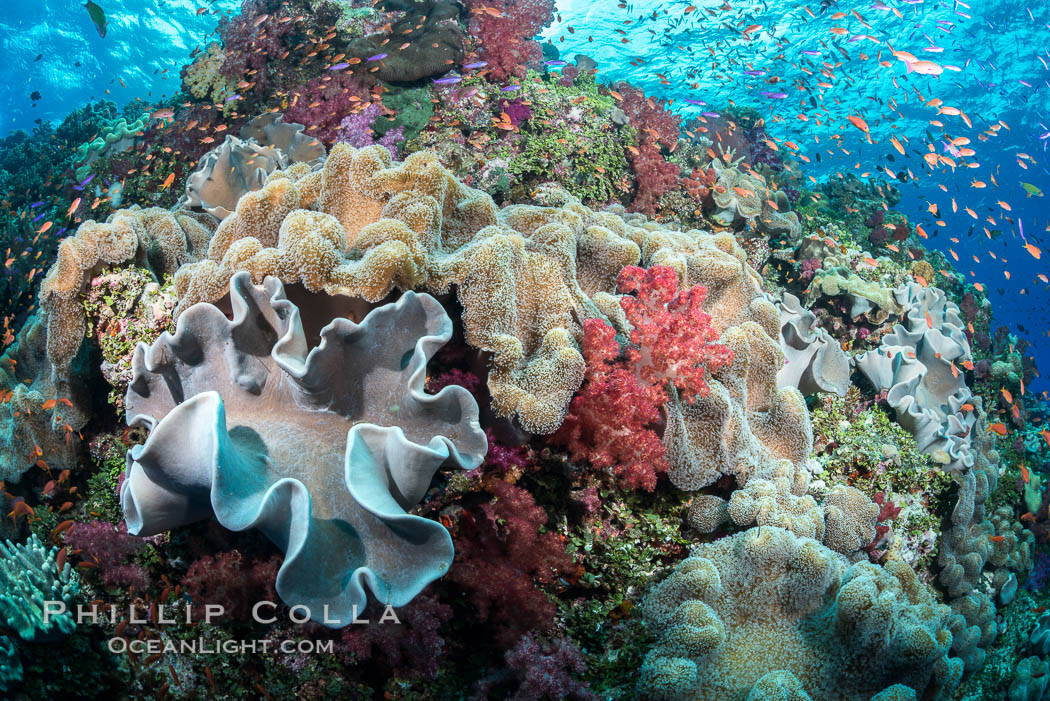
point(255, 464)
point(406, 306)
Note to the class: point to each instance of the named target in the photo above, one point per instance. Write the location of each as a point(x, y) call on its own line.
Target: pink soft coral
point(610, 421)
point(649, 116)
point(412, 648)
point(507, 35)
point(324, 102)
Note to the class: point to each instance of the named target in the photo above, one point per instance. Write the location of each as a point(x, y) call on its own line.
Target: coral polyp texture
point(37, 588)
point(766, 601)
point(321, 448)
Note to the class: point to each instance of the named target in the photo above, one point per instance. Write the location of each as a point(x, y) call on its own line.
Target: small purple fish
point(232, 98)
point(555, 63)
point(447, 81)
point(339, 66)
point(510, 88)
point(36, 204)
point(42, 215)
point(774, 95)
point(695, 102)
point(811, 53)
point(61, 231)
point(86, 180)
point(755, 72)
point(376, 57)
point(712, 115)
point(476, 64)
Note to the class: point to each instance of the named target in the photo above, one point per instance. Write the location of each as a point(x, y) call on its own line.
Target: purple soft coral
point(516, 110)
point(108, 547)
point(356, 130)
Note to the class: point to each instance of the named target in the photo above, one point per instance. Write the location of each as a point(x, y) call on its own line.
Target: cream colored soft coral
point(152, 238)
point(765, 600)
point(745, 424)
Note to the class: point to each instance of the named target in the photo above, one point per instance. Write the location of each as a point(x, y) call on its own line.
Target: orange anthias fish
point(1000, 429)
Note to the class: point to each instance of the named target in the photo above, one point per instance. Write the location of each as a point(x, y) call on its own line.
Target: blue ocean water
point(994, 61)
point(52, 48)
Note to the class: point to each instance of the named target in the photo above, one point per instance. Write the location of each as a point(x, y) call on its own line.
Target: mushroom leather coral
point(322, 449)
point(526, 276)
point(814, 362)
point(765, 600)
point(152, 238)
point(28, 383)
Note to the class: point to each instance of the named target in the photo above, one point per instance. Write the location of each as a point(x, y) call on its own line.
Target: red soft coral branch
point(610, 420)
point(653, 173)
point(506, 31)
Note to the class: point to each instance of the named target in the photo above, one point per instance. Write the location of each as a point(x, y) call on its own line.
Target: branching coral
point(34, 581)
point(108, 549)
point(270, 450)
point(356, 130)
point(654, 174)
point(232, 580)
point(538, 670)
point(412, 648)
point(765, 600)
point(507, 33)
point(501, 557)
